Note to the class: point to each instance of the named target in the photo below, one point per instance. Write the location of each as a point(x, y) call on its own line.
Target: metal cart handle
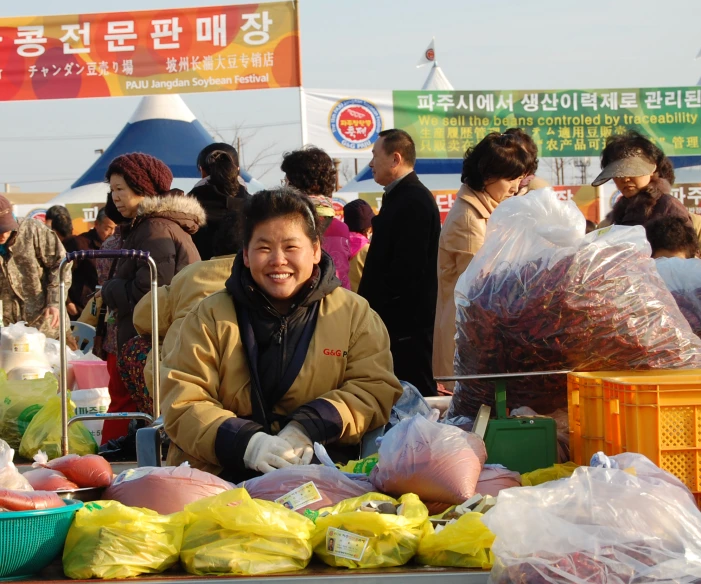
point(107, 254)
point(155, 349)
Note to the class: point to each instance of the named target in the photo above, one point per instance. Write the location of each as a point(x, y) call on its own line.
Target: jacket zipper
point(282, 340)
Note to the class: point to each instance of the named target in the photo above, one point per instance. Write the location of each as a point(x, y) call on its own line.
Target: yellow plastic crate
point(590, 429)
point(659, 417)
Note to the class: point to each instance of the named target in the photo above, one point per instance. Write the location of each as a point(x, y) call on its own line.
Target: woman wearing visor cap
point(644, 176)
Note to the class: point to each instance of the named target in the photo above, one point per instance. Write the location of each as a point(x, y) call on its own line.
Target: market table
point(314, 574)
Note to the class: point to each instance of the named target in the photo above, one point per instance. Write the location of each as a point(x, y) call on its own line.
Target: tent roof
point(162, 126)
point(437, 80)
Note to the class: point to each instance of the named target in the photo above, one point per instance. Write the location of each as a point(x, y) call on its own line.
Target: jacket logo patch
point(335, 353)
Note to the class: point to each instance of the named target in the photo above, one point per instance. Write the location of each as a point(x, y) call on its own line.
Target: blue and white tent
point(162, 126)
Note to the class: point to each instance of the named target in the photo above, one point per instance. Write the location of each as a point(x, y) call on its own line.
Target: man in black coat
point(400, 276)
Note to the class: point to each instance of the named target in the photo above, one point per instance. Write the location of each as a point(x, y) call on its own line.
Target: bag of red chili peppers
point(683, 278)
point(541, 296)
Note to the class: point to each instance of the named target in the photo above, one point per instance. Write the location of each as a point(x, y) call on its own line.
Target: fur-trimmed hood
point(184, 210)
point(652, 202)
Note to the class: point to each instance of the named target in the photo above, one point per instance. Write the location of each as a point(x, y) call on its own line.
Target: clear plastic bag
point(437, 462)
point(683, 278)
point(307, 487)
point(112, 541)
point(10, 477)
point(600, 526)
point(410, 403)
point(236, 535)
point(540, 295)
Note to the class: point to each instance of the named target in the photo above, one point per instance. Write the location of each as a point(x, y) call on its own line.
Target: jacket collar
point(186, 211)
point(482, 202)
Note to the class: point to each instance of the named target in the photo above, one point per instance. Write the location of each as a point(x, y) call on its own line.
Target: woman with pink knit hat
point(162, 223)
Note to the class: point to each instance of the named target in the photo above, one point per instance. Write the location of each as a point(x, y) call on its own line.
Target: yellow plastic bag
point(346, 537)
point(544, 475)
point(44, 433)
point(19, 403)
point(362, 466)
point(110, 540)
point(464, 544)
point(232, 534)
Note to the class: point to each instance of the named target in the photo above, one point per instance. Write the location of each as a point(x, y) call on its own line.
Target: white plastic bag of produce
point(600, 525)
point(10, 477)
point(92, 401)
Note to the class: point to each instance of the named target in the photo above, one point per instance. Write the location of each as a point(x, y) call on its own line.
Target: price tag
point(302, 496)
point(344, 544)
point(29, 376)
point(20, 348)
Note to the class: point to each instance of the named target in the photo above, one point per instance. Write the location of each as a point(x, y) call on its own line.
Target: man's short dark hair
point(399, 141)
point(56, 210)
point(310, 170)
point(101, 215)
point(672, 234)
point(62, 225)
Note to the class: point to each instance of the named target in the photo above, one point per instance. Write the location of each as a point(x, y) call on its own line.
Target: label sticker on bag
point(29, 376)
point(300, 497)
point(344, 544)
point(20, 348)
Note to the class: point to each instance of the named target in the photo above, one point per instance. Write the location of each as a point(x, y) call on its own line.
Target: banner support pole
point(302, 97)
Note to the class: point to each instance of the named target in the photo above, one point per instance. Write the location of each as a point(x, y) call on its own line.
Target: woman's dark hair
point(62, 224)
point(223, 146)
point(55, 211)
point(528, 143)
point(266, 205)
point(223, 172)
point(672, 234)
point(633, 143)
point(227, 238)
point(310, 170)
point(497, 156)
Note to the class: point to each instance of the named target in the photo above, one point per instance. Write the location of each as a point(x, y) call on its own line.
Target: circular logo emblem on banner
point(430, 54)
point(355, 123)
point(38, 214)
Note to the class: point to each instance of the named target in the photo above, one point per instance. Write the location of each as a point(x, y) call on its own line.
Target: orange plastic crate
point(590, 429)
point(659, 417)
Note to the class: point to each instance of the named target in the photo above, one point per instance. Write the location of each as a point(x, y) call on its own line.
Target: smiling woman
point(251, 383)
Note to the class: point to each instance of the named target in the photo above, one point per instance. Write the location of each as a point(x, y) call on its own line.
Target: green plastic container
point(520, 444)
point(31, 540)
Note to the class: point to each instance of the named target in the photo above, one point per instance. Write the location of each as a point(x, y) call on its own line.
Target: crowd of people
point(280, 324)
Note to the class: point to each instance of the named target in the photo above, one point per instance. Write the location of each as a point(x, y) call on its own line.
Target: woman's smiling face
point(281, 258)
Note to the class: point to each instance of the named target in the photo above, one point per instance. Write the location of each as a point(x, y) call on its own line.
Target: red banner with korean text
point(221, 48)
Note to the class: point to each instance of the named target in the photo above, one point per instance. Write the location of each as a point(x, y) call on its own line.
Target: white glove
point(266, 453)
point(301, 443)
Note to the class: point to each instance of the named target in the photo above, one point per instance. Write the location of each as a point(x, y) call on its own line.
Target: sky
point(371, 44)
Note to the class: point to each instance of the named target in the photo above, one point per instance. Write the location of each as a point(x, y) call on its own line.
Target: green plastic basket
point(31, 540)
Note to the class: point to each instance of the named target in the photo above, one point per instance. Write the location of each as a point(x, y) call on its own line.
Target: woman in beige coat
point(492, 171)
